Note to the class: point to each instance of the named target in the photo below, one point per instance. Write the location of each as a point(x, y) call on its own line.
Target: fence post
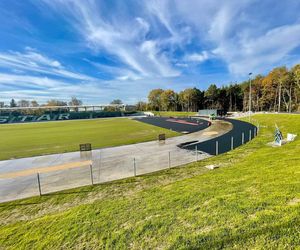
point(39, 183)
point(99, 164)
point(134, 167)
point(217, 147)
point(91, 172)
point(231, 142)
point(250, 135)
point(169, 159)
point(242, 138)
point(196, 152)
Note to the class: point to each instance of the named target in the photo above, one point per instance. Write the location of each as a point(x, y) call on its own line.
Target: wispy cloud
point(263, 51)
point(34, 62)
point(122, 38)
point(125, 48)
point(197, 57)
point(244, 34)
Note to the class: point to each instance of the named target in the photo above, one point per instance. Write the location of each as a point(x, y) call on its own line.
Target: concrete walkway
point(18, 177)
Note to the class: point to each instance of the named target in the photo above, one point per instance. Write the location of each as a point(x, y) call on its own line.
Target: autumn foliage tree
point(278, 91)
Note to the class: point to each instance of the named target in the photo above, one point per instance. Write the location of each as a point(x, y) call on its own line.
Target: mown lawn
point(31, 139)
point(252, 201)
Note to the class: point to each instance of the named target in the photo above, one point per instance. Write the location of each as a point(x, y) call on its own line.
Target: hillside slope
point(252, 201)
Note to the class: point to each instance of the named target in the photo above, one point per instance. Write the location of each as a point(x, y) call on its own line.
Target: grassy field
point(31, 139)
point(251, 201)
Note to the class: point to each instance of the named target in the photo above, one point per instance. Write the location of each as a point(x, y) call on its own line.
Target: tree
point(34, 103)
point(222, 99)
point(54, 102)
point(236, 95)
point(279, 90)
point(295, 71)
point(75, 102)
point(13, 103)
point(256, 93)
point(154, 99)
point(168, 100)
point(141, 106)
point(281, 76)
point(117, 102)
point(211, 95)
point(189, 99)
point(288, 84)
point(269, 92)
point(23, 103)
point(200, 99)
point(111, 109)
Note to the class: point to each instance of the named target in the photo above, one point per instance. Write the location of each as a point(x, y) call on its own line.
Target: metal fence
point(101, 167)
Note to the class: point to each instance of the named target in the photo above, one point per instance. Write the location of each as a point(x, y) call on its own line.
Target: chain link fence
point(98, 166)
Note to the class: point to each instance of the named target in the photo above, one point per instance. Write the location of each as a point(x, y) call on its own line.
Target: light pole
point(250, 95)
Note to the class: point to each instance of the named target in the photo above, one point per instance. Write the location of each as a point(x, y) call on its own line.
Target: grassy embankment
point(31, 139)
point(252, 201)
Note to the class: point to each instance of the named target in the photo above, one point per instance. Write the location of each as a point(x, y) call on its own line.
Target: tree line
point(192, 99)
point(53, 102)
point(278, 91)
point(50, 103)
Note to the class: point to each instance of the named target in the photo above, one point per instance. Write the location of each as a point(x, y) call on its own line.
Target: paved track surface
point(181, 125)
point(241, 132)
point(108, 164)
point(18, 177)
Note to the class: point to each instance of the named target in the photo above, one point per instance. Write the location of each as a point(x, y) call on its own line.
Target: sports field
point(31, 139)
point(251, 202)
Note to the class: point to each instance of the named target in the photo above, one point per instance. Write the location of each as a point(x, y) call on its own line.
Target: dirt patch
point(294, 202)
point(211, 133)
point(45, 169)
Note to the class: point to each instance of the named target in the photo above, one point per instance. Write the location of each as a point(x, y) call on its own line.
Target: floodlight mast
point(250, 97)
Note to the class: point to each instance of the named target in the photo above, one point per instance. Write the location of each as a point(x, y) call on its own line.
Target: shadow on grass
point(40, 199)
point(66, 193)
point(19, 204)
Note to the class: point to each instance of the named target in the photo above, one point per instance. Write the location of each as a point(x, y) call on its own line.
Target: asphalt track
point(241, 132)
point(182, 125)
point(18, 177)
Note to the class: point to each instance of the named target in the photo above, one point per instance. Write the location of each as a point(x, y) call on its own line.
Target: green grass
point(252, 201)
point(174, 113)
point(31, 139)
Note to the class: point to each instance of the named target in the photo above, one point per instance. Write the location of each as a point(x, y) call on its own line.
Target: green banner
point(23, 118)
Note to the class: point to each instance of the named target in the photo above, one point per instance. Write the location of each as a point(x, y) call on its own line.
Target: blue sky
point(102, 50)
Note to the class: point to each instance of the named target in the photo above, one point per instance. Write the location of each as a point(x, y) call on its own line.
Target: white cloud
point(257, 54)
point(243, 34)
point(197, 57)
point(31, 61)
point(121, 38)
point(25, 81)
point(144, 26)
point(156, 44)
point(119, 73)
